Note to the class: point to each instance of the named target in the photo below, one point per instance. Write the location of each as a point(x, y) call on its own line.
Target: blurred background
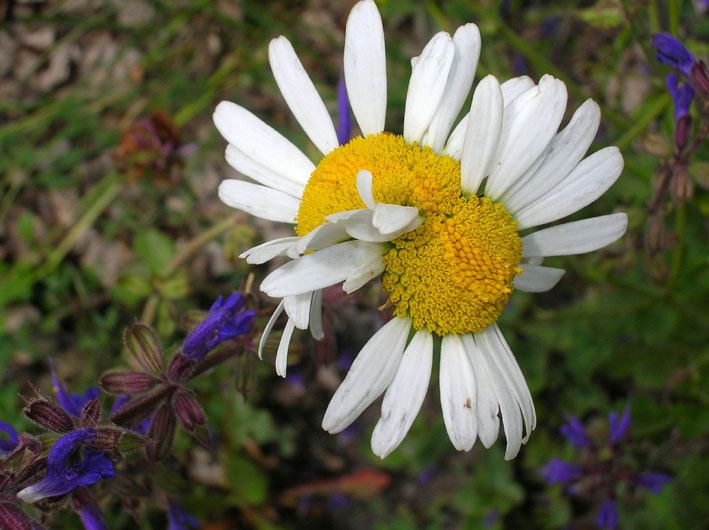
point(109, 165)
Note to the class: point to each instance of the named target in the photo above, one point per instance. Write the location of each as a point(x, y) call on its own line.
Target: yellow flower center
point(452, 274)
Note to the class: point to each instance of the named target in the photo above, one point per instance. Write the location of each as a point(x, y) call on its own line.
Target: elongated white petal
point(261, 143)
point(370, 374)
point(322, 268)
point(527, 128)
point(459, 400)
point(509, 407)
point(454, 147)
point(364, 187)
point(426, 86)
point(537, 279)
point(261, 174)
point(483, 134)
point(467, 52)
point(269, 250)
point(405, 395)
point(260, 201)
point(316, 329)
point(282, 354)
point(395, 220)
point(301, 95)
point(320, 237)
point(576, 237)
point(488, 407)
point(512, 88)
point(365, 67)
point(360, 274)
point(269, 327)
point(588, 181)
point(298, 309)
point(563, 154)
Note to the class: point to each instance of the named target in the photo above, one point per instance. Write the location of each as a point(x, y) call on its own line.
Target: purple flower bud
point(618, 428)
point(607, 516)
point(72, 403)
point(144, 345)
point(653, 481)
point(62, 477)
point(120, 383)
point(162, 430)
point(179, 519)
point(559, 471)
point(138, 409)
point(90, 414)
point(575, 433)
point(225, 321)
point(671, 51)
point(7, 445)
point(699, 77)
point(13, 517)
point(49, 415)
point(344, 124)
point(188, 410)
point(142, 427)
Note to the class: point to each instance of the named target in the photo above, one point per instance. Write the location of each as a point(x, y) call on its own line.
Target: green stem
point(674, 17)
point(653, 17)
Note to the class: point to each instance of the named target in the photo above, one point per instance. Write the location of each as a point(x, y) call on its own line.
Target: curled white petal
point(282, 354)
point(536, 278)
point(269, 250)
point(269, 327)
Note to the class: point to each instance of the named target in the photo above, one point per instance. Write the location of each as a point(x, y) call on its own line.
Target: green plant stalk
point(653, 17)
point(674, 17)
point(624, 141)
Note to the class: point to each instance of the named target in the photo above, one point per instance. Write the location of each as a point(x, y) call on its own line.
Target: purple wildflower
point(618, 428)
point(607, 515)
point(225, 321)
point(671, 51)
point(559, 471)
point(344, 125)
point(575, 433)
point(92, 517)
point(682, 96)
point(72, 403)
point(7, 445)
point(63, 476)
point(654, 481)
point(179, 519)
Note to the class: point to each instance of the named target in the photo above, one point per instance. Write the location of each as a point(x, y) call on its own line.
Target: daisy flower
point(436, 214)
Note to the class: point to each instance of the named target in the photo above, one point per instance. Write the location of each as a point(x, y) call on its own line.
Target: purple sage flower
point(557, 470)
point(179, 519)
point(607, 515)
point(344, 123)
point(682, 96)
point(654, 481)
point(671, 51)
point(72, 403)
point(92, 517)
point(618, 428)
point(63, 476)
point(575, 433)
point(7, 445)
point(225, 321)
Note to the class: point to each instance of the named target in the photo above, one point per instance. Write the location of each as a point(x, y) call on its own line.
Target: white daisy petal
point(426, 86)
point(588, 181)
point(488, 407)
point(364, 187)
point(563, 154)
point(320, 237)
point(460, 79)
point(365, 67)
point(260, 201)
point(269, 327)
point(316, 329)
point(458, 394)
point(576, 237)
point(394, 219)
point(483, 134)
point(282, 354)
point(513, 88)
point(370, 374)
point(360, 274)
point(528, 125)
point(269, 250)
point(261, 142)
point(301, 95)
point(298, 309)
point(322, 268)
point(454, 147)
point(509, 406)
point(537, 279)
point(261, 174)
point(405, 395)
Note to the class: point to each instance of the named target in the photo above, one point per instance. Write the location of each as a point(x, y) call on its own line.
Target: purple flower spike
point(671, 51)
point(179, 519)
point(682, 96)
point(618, 428)
point(62, 477)
point(225, 321)
point(575, 433)
point(344, 125)
point(559, 471)
point(7, 445)
point(607, 516)
point(72, 403)
point(654, 481)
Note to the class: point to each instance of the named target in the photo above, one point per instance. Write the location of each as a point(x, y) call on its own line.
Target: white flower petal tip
point(269, 250)
point(298, 309)
point(282, 354)
point(537, 279)
point(395, 220)
point(482, 135)
point(512, 88)
point(458, 394)
point(364, 187)
point(365, 67)
point(488, 407)
point(371, 372)
point(576, 237)
point(261, 174)
point(301, 95)
point(427, 84)
point(269, 327)
point(260, 201)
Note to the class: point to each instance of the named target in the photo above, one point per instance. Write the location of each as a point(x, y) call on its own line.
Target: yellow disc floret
point(452, 274)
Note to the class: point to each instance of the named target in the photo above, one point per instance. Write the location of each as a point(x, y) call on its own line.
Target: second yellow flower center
point(452, 274)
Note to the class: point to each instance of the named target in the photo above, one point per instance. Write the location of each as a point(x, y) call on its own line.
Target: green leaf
point(154, 249)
